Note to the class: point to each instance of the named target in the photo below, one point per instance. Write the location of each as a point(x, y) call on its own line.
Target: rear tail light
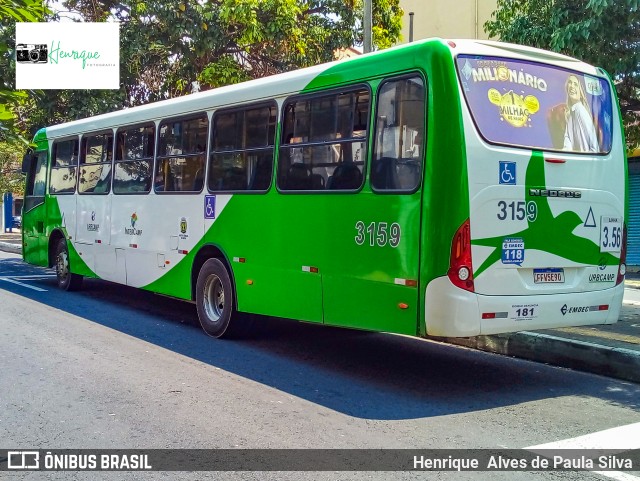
point(460, 268)
point(622, 268)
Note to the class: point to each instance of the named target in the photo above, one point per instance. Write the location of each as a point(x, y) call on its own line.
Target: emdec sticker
point(513, 251)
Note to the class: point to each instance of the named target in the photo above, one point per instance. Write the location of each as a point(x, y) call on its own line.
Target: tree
point(11, 179)
point(169, 45)
point(605, 33)
point(166, 47)
point(12, 11)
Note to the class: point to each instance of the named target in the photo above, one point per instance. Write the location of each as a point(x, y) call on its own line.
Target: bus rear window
point(537, 106)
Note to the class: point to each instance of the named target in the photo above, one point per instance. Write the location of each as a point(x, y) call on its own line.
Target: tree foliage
point(12, 11)
point(169, 45)
point(605, 33)
point(11, 178)
point(166, 47)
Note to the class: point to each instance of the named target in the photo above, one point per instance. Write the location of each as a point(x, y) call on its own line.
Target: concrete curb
point(580, 355)
point(632, 283)
point(9, 247)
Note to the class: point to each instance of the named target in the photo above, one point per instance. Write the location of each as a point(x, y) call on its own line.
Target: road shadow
point(365, 375)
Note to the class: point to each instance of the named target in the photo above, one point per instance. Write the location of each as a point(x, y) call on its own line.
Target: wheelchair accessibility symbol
point(209, 206)
point(508, 173)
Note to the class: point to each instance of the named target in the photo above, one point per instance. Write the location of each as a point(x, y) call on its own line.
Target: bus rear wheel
point(66, 279)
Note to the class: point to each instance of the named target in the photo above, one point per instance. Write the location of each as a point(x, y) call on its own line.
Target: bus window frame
point(32, 201)
point(542, 149)
point(145, 124)
point(419, 186)
point(157, 158)
point(334, 90)
point(52, 159)
point(274, 147)
point(82, 155)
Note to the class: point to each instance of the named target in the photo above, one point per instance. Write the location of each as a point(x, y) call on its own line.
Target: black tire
point(66, 279)
point(215, 301)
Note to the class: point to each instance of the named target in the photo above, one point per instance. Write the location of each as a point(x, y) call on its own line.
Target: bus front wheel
point(66, 279)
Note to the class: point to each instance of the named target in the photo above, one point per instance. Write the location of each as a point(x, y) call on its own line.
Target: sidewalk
point(11, 242)
point(610, 350)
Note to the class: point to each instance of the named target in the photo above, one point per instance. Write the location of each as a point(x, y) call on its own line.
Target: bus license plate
point(548, 276)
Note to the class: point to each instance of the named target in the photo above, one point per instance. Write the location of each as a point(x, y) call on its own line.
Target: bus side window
point(134, 159)
point(400, 127)
point(324, 141)
point(95, 164)
point(36, 181)
point(182, 144)
point(64, 167)
point(242, 146)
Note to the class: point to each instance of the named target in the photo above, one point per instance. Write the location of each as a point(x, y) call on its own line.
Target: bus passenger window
point(324, 145)
point(182, 145)
point(95, 164)
point(399, 144)
point(63, 167)
point(242, 149)
point(134, 158)
point(37, 175)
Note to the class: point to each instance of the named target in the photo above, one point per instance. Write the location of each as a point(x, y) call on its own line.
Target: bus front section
point(544, 244)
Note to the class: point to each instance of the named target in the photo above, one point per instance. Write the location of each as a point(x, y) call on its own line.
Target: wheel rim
point(62, 266)
point(213, 298)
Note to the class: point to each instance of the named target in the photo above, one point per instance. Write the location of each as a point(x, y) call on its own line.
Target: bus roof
point(298, 80)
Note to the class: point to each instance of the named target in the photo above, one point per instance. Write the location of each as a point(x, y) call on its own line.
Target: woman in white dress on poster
point(580, 134)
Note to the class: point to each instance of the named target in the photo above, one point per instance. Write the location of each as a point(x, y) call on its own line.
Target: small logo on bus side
point(558, 193)
point(132, 230)
point(507, 174)
point(602, 264)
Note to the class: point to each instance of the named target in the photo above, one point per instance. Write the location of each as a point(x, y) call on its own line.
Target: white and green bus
point(447, 188)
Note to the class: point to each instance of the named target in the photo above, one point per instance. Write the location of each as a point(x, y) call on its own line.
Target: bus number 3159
point(379, 233)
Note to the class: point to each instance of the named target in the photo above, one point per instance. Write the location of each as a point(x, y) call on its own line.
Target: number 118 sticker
point(513, 251)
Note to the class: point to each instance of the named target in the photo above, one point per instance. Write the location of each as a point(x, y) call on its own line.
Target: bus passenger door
point(93, 233)
point(92, 228)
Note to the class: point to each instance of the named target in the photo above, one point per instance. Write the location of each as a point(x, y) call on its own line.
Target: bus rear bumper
point(454, 312)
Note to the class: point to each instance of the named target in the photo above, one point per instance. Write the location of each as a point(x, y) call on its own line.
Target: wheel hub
point(213, 298)
point(62, 266)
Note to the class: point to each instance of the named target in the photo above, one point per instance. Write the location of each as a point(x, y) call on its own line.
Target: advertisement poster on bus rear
point(517, 102)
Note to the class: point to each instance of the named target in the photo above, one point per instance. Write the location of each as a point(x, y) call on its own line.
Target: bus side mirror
point(26, 161)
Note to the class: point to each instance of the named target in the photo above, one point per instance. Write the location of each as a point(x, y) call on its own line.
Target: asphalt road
point(113, 367)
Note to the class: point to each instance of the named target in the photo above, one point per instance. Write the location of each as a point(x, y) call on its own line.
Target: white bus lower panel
point(454, 312)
